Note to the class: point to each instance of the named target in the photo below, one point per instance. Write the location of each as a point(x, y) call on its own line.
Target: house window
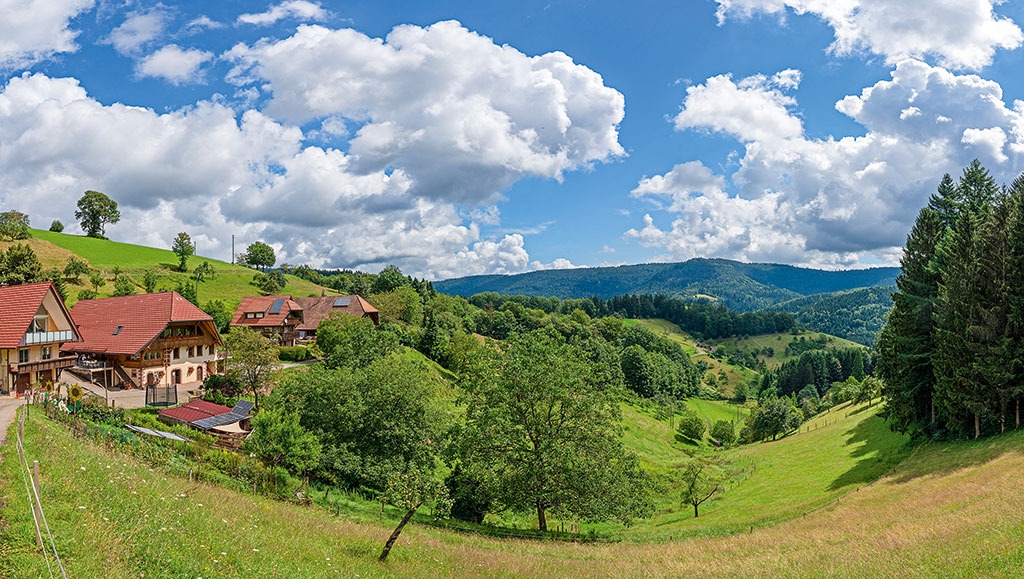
point(209, 350)
point(191, 352)
point(176, 354)
point(152, 355)
point(46, 352)
point(23, 356)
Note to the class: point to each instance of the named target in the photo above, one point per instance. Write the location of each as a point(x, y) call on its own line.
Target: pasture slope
point(810, 504)
point(230, 283)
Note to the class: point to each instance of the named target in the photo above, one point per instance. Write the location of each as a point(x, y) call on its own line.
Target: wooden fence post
point(35, 502)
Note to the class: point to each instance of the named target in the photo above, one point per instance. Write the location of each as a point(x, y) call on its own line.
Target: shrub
point(294, 354)
point(57, 226)
point(691, 427)
point(87, 294)
point(724, 432)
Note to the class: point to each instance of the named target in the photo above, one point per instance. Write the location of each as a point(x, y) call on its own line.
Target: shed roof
point(195, 410)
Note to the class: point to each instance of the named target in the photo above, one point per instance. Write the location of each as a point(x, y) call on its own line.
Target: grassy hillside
point(231, 282)
point(777, 344)
point(809, 506)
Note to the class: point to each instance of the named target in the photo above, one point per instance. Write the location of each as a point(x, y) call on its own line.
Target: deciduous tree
point(183, 248)
point(14, 226)
point(252, 359)
point(95, 210)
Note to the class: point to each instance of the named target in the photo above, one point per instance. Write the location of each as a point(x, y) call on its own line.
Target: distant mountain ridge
point(737, 285)
point(851, 304)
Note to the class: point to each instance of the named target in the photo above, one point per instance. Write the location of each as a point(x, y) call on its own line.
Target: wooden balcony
point(43, 365)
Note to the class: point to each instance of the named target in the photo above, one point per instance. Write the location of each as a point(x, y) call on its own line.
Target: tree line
point(952, 351)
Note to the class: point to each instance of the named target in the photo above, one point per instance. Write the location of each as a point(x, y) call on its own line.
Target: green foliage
point(187, 290)
point(87, 294)
point(294, 354)
point(97, 281)
point(471, 500)
point(774, 417)
point(149, 281)
point(20, 265)
point(56, 226)
point(278, 439)
point(14, 226)
point(409, 490)
point(701, 480)
point(74, 269)
point(351, 342)
point(402, 304)
point(691, 427)
point(724, 431)
point(371, 421)
point(542, 432)
point(95, 210)
point(259, 255)
point(183, 248)
point(221, 314)
point(123, 285)
point(388, 280)
point(269, 283)
point(252, 359)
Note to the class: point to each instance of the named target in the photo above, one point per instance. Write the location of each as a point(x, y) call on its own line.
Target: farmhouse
point(34, 324)
point(318, 309)
point(287, 319)
point(276, 317)
point(152, 340)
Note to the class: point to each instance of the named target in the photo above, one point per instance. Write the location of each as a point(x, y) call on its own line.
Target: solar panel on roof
point(215, 421)
point(275, 308)
point(242, 408)
point(160, 433)
point(342, 302)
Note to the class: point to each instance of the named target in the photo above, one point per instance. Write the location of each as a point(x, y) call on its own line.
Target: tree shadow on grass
point(940, 458)
point(879, 450)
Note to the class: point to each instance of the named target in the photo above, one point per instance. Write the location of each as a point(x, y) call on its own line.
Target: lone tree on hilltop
point(259, 255)
point(95, 210)
point(184, 249)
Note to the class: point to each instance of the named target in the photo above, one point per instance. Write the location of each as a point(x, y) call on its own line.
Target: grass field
point(778, 343)
point(952, 509)
point(231, 282)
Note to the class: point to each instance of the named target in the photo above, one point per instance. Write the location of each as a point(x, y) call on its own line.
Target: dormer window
point(253, 315)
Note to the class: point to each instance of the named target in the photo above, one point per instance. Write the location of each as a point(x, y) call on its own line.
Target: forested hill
point(739, 286)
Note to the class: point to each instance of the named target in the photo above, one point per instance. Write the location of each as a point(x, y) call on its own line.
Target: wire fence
point(50, 555)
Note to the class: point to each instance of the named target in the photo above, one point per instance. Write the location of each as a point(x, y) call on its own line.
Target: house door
point(176, 377)
point(199, 373)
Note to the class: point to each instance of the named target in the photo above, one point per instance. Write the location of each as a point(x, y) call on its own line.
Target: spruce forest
point(951, 354)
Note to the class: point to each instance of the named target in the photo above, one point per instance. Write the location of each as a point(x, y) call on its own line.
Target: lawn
point(231, 282)
point(778, 342)
point(949, 509)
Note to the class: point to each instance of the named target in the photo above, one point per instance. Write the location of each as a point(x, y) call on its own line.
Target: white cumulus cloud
point(833, 201)
point(296, 9)
point(34, 30)
point(174, 64)
point(139, 29)
point(463, 117)
point(959, 34)
point(754, 109)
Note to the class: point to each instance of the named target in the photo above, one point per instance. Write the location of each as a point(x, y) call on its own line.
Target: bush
point(87, 294)
point(724, 432)
point(294, 354)
point(57, 226)
point(691, 427)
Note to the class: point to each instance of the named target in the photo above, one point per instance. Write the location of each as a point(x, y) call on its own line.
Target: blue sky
point(460, 138)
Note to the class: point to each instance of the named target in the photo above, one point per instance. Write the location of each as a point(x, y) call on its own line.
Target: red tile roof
point(318, 309)
point(18, 305)
point(141, 317)
point(195, 410)
point(263, 304)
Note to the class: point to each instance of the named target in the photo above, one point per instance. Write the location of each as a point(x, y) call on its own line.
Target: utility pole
point(232, 249)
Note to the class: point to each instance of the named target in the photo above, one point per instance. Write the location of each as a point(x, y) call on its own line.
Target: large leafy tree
point(279, 440)
point(259, 255)
point(252, 359)
point(542, 431)
point(19, 264)
point(95, 210)
point(371, 421)
point(14, 225)
point(184, 249)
